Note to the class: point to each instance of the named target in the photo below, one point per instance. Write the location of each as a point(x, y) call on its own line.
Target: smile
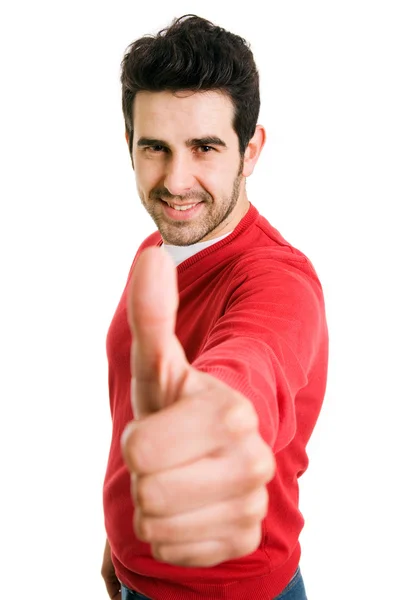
point(181, 206)
point(182, 212)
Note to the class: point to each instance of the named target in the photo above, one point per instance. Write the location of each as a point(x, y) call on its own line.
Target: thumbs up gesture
point(198, 464)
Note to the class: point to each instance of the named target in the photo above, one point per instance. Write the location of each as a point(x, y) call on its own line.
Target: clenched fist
point(198, 464)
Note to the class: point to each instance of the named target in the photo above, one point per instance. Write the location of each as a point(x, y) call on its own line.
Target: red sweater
point(252, 314)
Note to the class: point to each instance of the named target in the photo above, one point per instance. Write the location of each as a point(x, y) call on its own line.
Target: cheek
point(218, 182)
point(147, 174)
point(212, 177)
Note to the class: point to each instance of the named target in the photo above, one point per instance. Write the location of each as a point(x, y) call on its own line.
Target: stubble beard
point(187, 233)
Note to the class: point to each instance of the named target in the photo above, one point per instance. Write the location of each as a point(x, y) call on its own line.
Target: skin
point(108, 574)
point(175, 160)
point(220, 447)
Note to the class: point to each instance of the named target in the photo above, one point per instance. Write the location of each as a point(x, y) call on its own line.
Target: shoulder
point(262, 261)
point(261, 248)
point(270, 269)
point(265, 251)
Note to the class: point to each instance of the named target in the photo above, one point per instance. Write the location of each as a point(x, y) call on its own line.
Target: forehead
point(190, 113)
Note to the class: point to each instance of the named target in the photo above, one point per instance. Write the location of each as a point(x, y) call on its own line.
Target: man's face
point(187, 163)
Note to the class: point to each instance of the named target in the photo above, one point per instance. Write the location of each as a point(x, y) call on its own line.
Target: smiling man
point(193, 187)
point(218, 348)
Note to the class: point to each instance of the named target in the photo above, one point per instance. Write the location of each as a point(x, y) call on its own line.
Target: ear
point(253, 150)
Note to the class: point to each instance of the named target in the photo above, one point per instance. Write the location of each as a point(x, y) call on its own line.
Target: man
point(218, 355)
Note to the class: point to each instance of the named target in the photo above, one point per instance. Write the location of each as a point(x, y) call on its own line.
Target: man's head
point(191, 103)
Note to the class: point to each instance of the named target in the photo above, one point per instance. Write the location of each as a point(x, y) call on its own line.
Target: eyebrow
point(210, 140)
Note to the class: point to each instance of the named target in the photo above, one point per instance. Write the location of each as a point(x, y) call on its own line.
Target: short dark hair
point(194, 54)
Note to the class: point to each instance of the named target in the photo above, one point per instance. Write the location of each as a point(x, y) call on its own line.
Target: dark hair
point(194, 54)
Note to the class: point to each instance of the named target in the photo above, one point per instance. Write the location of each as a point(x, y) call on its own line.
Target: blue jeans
point(293, 591)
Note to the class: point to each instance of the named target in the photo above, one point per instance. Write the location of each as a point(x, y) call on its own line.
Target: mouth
point(177, 206)
point(180, 211)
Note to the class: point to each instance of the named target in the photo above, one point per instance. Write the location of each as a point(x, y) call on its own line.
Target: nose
point(179, 178)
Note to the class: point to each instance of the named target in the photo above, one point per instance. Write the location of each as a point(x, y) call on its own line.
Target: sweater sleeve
point(267, 342)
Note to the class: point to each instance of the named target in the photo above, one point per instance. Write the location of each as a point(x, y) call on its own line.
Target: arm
point(267, 343)
point(108, 573)
point(219, 443)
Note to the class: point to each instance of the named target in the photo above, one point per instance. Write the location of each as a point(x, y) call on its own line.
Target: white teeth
point(176, 207)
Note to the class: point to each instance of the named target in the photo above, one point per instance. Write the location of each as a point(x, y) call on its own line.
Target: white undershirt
point(181, 253)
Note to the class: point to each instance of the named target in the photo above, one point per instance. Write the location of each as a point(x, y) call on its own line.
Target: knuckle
point(141, 493)
point(132, 447)
point(143, 529)
point(259, 464)
point(255, 508)
point(147, 497)
point(160, 552)
point(252, 540)
point(256, 471)
point(240, 418)
point(249, 542)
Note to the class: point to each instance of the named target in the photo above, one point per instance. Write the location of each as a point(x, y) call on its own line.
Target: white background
point(70, 224)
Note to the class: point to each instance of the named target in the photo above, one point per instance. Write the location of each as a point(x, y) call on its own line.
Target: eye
point(205, 149)
point(156, 148)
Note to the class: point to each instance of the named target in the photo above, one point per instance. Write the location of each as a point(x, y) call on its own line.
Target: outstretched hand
point(198, 464)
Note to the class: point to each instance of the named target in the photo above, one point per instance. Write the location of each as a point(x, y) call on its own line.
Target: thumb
point(158, 362)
